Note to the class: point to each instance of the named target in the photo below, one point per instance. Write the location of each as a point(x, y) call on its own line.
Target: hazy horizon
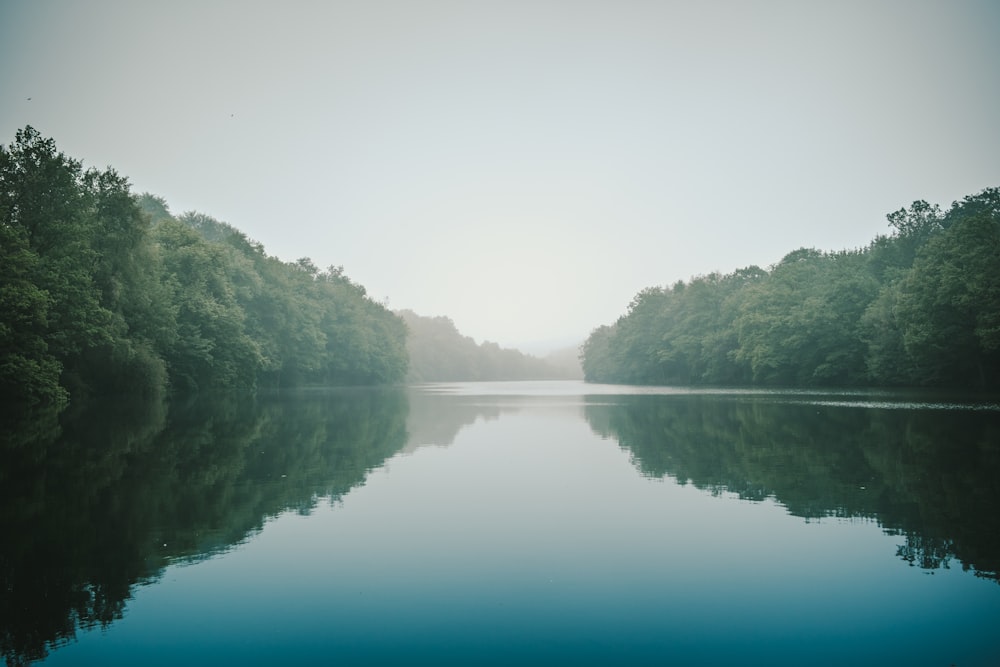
point(522, 168)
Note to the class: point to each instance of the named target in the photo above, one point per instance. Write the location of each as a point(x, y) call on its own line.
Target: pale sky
point(524, 168)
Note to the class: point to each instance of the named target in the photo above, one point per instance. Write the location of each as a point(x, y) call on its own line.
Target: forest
point(103, 291)
point(438, 352)
point(106, 292)
point(919, 306)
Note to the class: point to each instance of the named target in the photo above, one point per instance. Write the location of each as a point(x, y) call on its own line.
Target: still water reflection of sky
point(530, 539)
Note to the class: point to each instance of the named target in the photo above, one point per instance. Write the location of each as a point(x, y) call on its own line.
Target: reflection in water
point(104, 499)
point(129, 488)
point(436, 420)
point(929, 474)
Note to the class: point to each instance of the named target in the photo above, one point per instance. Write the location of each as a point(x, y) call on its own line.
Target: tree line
point(103, 291)
point(919, 306)
point(440, 353)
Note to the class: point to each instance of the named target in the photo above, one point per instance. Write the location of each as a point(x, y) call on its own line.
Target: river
point(506, 524)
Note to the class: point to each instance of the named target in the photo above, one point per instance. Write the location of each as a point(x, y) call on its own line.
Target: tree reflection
point(927, 475)
point(438, 418)
point(103, 498)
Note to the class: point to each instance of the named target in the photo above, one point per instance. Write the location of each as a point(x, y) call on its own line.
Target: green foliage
point(684, 334)
point(28, 372)
point(799, 327)
point(63, 302)
point(919, 307)
point(212, 347)
point(597, 355)
point(948, 304)
point(438, 352)
point(105, 292)
point(246, 318)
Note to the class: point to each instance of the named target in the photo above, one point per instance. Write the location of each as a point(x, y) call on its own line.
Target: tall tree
point(48, 220)
point(212, 347)
point(29, 372)
point(918, 306)
point(949, 303)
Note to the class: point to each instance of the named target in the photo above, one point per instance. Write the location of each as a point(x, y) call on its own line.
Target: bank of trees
point(440, 353)
point(104, 291)
point(919, 306)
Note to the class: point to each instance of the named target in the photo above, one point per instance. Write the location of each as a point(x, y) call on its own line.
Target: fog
point(522, 168)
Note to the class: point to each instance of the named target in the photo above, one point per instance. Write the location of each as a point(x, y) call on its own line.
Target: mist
point(524, 169)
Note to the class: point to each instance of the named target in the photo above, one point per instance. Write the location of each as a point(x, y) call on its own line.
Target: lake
point(506, 524)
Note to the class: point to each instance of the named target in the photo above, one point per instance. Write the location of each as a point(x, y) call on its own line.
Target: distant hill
point(440, 353)
point(567, 359)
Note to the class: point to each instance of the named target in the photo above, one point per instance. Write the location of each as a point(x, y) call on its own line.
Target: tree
point(29, 373)
point(55, 306)
point(439, 352)
point(212, 347)
point(106, 292)
point(948, 305)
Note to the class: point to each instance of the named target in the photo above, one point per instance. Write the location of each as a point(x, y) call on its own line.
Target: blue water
point(524, 536)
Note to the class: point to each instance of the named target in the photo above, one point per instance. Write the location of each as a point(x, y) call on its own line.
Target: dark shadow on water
point(102, 499)
point(931, 476)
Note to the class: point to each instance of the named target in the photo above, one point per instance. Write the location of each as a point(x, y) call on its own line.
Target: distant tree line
point(917, 307)
point(102, 291)
point(440, 353)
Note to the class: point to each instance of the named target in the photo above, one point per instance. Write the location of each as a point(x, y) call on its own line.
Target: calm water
point(506, 524)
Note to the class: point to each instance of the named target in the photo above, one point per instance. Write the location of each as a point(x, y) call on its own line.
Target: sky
point(524, 168)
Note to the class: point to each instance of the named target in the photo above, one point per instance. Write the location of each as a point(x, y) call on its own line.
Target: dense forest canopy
point(104, 291)
point(917, 307)
point(440, 353)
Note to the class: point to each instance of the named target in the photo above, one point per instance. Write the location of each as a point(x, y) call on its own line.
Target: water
point(508, 523)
